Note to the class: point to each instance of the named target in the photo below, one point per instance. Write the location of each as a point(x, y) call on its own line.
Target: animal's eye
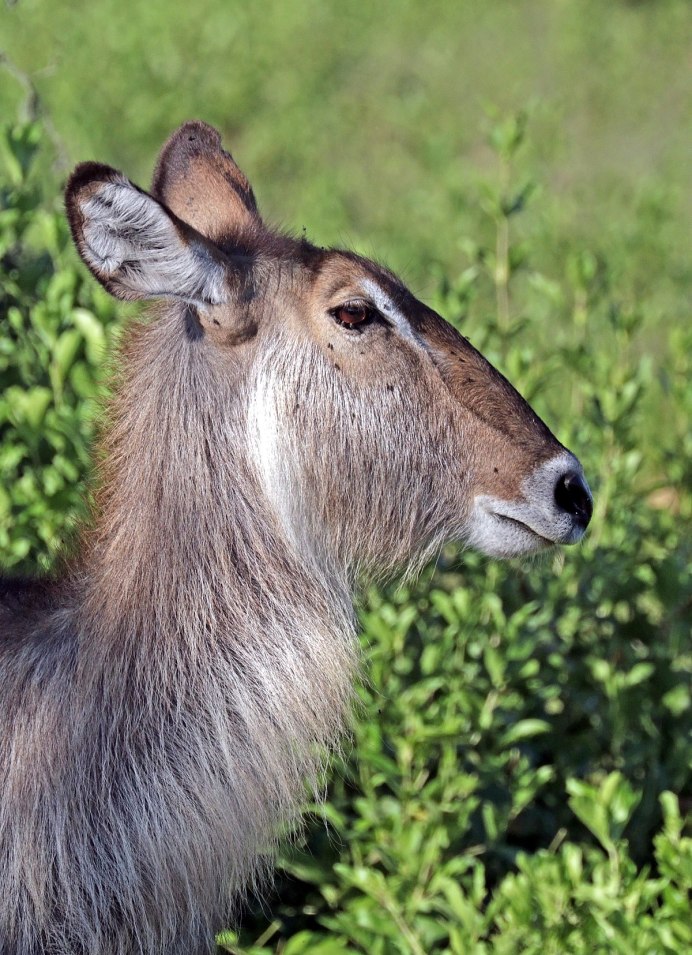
point(353, 313)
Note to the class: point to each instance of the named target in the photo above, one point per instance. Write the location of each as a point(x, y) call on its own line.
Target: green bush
point(521, 756)
point(525, 732)
point(56, 326)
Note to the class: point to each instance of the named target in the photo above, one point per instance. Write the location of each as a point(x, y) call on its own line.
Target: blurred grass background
point(521, 767)
point(364, 122)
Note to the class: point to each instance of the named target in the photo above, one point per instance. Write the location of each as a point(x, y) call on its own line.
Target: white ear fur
point(139, 250)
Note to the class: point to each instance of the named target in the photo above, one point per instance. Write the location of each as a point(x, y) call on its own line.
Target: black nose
point(572, 495)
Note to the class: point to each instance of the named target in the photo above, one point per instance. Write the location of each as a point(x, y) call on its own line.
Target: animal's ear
point(136, 248)
point(201, 183)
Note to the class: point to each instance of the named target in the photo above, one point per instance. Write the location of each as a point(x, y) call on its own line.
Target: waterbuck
point(286, 421)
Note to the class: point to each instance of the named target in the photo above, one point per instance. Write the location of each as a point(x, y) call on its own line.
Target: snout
point(554, 507)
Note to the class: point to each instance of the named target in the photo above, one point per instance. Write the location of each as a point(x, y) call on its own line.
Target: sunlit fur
point(163, 716)
point(167, 701)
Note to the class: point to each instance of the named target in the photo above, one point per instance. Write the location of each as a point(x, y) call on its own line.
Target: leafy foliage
point(520, 767)
point(525, 732)
point(55, 329)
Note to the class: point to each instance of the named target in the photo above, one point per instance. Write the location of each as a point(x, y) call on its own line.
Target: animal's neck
point(189, 575)
point(181, 516)
point(204, 672)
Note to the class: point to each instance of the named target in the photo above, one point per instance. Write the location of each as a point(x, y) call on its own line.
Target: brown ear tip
point(87, 174)
point(196, 130)
point(192, 137)
point(189, 140)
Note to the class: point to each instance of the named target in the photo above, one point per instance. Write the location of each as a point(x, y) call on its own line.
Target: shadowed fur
point(288, 420)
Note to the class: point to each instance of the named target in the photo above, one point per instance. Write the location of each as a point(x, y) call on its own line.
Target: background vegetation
point(520, 771)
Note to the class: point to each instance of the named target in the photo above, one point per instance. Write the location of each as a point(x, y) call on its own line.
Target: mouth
point(545, 529)
point(525, 528)
point(504, 529)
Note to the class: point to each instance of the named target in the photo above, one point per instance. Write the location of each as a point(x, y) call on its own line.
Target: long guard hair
point(285, 421)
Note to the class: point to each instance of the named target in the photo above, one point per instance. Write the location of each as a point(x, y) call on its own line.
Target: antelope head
point(374, 431)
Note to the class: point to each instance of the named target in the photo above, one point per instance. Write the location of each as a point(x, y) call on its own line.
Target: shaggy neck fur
point(209, 670)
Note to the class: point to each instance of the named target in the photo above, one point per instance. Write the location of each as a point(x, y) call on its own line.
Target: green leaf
point(309, 943)
point(524, 729)
point(586, 804)
point(64, 353)
point(29, 406)
point(494, 664)
point(93, 332)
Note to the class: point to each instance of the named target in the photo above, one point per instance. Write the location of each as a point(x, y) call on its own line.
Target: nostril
point(572, 495)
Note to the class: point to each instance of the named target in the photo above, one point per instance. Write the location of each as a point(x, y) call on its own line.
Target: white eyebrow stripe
point(383, 304)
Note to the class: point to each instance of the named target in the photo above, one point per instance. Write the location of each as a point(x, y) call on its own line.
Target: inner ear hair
point(136, 247)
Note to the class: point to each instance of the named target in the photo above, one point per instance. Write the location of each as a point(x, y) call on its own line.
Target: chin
point(496, 532)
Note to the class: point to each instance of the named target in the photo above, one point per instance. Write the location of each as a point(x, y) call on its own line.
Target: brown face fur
point(508, 429)
point(447, 426)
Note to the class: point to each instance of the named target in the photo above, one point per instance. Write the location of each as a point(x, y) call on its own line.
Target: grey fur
point(168, 698)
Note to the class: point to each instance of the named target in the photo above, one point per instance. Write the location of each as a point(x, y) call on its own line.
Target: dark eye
point(353, 313)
